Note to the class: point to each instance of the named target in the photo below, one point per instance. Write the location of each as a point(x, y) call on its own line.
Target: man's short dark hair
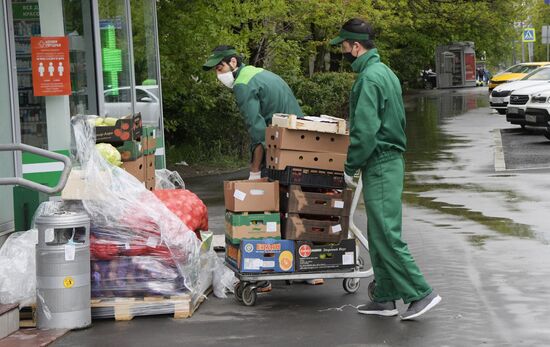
point(228, 59)
point(357, 25)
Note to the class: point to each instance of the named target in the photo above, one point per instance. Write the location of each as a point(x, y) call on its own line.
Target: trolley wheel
point(249, 295)
point(238, 291)
point(360, 263)
point(351, 284)
point(370, 289)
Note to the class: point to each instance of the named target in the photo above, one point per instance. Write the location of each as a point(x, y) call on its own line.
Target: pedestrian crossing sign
point(529, 35)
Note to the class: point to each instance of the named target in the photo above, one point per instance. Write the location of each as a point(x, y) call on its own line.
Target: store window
point(146, 61)
point(55, 18)
point(115, 52)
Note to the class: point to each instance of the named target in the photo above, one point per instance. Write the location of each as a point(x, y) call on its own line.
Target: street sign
point(529, 35)
point(546, 34)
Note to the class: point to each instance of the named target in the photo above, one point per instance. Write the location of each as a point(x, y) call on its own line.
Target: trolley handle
point(42, 152)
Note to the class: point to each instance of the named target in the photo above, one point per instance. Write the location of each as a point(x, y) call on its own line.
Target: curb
point(500, 163)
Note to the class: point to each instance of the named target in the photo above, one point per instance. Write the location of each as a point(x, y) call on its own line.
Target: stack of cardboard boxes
point(305, 160)
point(253, 228)
point(136, 144)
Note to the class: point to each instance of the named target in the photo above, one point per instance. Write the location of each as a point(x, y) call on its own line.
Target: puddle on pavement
point(428, 144)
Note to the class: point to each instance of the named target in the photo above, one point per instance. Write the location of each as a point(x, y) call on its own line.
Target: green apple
point(110, 121)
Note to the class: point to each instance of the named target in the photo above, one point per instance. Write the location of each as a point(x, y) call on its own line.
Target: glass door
point(7, 125)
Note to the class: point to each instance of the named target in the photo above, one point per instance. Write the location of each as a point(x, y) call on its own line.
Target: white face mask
point(227, 79)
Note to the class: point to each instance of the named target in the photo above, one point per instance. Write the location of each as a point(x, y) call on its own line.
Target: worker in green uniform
point(377, 143)
point(259, 93)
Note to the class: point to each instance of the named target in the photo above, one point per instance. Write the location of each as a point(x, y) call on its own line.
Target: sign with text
point(25, 11)
point(51, 71)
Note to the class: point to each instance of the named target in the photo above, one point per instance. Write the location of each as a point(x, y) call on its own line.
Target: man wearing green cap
point(259, 93)
point(377, 143)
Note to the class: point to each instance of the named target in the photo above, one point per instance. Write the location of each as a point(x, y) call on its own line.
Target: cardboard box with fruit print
point(113, 130)
point(266, 255)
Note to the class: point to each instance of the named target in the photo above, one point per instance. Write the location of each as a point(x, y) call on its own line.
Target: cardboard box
point(251, 196)
point(126, 129)
point(328, 229)
point(149, 131)
point(149, 145)
point(136, 168)
point(279, 159)
point(267, 255)
point(130, 150)
point(149, 161)
point(311, 257)
point(331, 203)
point(239, 226)
point(303, 140)
point(78, 187)
point(150, 184)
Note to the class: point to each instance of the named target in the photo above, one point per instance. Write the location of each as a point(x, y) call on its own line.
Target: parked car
point(514, 73)
point(500, 96)
point(515, 112)
point(118, 103)
point(537, 113)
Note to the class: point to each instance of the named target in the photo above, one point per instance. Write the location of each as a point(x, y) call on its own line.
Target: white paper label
point(336, 228)
point(127, 245)
point(271, 227)
point(239, 195)
point(69, 252)
point(276, 160)
point(155, 133)
point(252, 264)
point(268, 264)
point(277, 134)
point(152, 242)
point(347, 258)
point(257, 192)
point(339, 204)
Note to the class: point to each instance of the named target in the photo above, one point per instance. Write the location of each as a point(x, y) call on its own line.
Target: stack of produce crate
point(306, 157)
point(253, 228)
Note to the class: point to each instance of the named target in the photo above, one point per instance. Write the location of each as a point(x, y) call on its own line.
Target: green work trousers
point(397, 275)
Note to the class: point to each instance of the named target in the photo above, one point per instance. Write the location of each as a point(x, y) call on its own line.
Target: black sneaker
point(386, 309)
point(419, 307)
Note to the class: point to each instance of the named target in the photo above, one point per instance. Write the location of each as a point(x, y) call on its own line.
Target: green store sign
point(26, 10)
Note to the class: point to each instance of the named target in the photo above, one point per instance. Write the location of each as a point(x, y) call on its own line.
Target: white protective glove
point(349, 180)
point(255, 176)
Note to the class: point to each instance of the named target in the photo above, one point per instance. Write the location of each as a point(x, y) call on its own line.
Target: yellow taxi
point(514, 73)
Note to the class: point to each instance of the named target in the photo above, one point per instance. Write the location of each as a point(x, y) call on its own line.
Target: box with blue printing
point(266, 255)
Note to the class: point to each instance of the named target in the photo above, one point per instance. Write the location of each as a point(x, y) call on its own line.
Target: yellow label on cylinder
point(68, 282)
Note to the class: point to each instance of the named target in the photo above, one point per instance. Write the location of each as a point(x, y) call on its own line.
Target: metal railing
point(18, 181)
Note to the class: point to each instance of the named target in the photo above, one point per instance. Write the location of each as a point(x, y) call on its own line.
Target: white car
point(537, 113)
point(515, 112)
point(500, 96)
point(117, 103)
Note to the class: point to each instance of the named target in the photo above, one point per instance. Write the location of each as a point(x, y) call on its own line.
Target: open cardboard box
point(295, 199)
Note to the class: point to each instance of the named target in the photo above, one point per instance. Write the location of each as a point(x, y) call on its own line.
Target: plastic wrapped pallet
point(139, 247)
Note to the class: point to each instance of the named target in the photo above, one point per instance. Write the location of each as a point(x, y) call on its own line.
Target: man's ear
point(233, 63)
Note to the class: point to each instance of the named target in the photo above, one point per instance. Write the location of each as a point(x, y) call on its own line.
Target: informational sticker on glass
point(50, 66)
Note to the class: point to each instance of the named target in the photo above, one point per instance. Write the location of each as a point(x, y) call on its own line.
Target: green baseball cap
point(216, 57)
point(348, 35)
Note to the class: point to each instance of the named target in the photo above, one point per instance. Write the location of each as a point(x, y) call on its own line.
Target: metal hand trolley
point(246, 290)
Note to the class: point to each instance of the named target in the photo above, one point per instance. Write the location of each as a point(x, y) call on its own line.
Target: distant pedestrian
point(486, 76)
point(377, 143)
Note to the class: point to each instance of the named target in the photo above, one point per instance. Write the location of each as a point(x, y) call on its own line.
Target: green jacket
point(377, 115)
point(260, 94)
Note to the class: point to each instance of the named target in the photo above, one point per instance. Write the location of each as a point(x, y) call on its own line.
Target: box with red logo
point(313, 257)
point(266, 255)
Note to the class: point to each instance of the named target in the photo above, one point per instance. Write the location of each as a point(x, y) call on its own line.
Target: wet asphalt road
point(480, 237)
point(525, 148)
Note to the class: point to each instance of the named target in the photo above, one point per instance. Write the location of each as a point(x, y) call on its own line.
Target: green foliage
point(291, 38)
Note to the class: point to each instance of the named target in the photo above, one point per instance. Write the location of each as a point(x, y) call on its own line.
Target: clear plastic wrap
point(130, 221)
point(18, 268)
point(140, 250)
point(166, 179)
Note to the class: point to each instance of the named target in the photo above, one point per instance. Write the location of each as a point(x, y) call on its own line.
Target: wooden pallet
point(327, 124)
point(27, 317)
point(124, 309)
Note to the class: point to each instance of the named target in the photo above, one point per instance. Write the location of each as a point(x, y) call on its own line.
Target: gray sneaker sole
point(428, 307)
point(385, 313)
